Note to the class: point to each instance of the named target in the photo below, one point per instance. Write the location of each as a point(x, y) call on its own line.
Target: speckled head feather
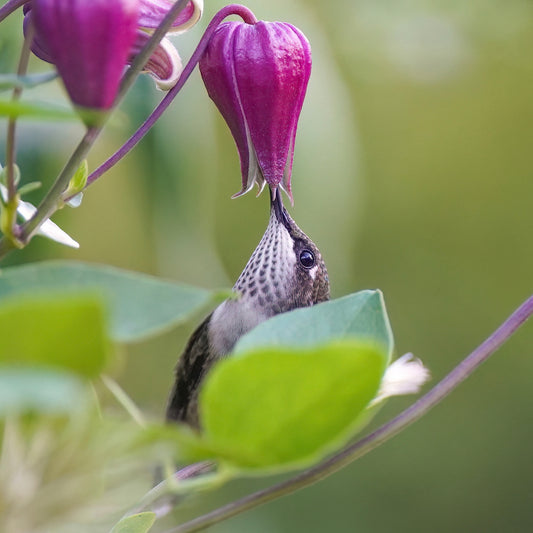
point(285, 271)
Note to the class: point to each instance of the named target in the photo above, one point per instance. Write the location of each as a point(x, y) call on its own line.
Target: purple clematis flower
point(257, 76)
point(90, 43)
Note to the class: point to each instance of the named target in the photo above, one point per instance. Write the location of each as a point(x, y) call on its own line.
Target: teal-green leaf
point(137, 523)
point(139, 305)
point(25, 390)
point(285, 408)
point(361, 315)
point(65, 331)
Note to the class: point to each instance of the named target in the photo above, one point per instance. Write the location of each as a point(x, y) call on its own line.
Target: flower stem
point(9, 7)
point(233, 9)
point(374, 439)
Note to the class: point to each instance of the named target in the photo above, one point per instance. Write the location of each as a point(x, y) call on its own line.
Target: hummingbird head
point(285, 271)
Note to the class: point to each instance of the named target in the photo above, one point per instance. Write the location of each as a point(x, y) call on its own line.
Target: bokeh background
point(413, 173)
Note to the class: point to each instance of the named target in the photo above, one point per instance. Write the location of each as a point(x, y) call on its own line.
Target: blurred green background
point(413, 173)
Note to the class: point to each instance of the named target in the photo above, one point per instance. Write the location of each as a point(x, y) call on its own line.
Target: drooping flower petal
point(152, 13)
point(257, 75)
point(404, 376)
point(88, 42)
point(165, 64)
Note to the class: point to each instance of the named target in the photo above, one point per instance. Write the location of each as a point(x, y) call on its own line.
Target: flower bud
point(89, 43)
point(257, 76)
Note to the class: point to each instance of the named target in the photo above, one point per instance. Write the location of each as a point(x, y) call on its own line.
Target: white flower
point(406, 375)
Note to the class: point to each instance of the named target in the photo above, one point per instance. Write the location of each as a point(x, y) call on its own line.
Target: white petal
point(48, 228)
point(406, 375)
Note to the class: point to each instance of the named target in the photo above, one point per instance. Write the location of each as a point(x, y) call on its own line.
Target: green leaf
point(139, 305)
point(361, 315)
point(137, 523)
point(57, 331)
point(25, 390)
point(17, 109)
point(279, 409)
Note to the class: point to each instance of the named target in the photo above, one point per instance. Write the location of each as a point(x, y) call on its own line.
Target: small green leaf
point(137, 523)
point(77, 183)
point(361, 315)
point(16, 109)
point(279, 409)
point(25, 390)
point(64, 332)
point(139, 305)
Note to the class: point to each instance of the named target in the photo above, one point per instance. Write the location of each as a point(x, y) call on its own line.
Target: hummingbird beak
point(276, 204)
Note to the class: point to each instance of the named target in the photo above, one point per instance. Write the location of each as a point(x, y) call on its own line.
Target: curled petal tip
point(287, 190)
point(260, 187)
point(164, 65)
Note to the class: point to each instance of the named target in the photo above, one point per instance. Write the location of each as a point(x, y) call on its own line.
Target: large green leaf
point(361, 315)
point(64, 331)
point(137, 523)
point(277, 409)
point(39, 390)
point(139, 305)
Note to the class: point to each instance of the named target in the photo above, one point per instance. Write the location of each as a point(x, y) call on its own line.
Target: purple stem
point(232, 9)
point(9, 7)
point(374, 439)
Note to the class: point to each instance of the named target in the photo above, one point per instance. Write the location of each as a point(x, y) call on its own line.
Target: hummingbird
point(285, 272)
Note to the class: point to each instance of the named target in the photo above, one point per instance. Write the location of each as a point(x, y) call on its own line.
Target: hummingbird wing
point(192, 366)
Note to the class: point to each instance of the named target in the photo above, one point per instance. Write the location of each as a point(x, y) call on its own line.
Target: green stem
point(356, 450)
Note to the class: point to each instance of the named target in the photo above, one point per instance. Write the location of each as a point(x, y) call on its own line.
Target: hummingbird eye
point(307, 258)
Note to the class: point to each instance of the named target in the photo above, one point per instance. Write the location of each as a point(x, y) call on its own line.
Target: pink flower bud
point(257, 76)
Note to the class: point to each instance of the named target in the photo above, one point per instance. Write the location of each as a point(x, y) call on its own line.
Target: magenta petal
point(152, 13)
point(89, 42)
point(37, 46)
point(217, 70)
point(272, 70)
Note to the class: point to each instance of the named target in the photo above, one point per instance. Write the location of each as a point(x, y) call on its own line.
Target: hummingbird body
point(286, 271)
